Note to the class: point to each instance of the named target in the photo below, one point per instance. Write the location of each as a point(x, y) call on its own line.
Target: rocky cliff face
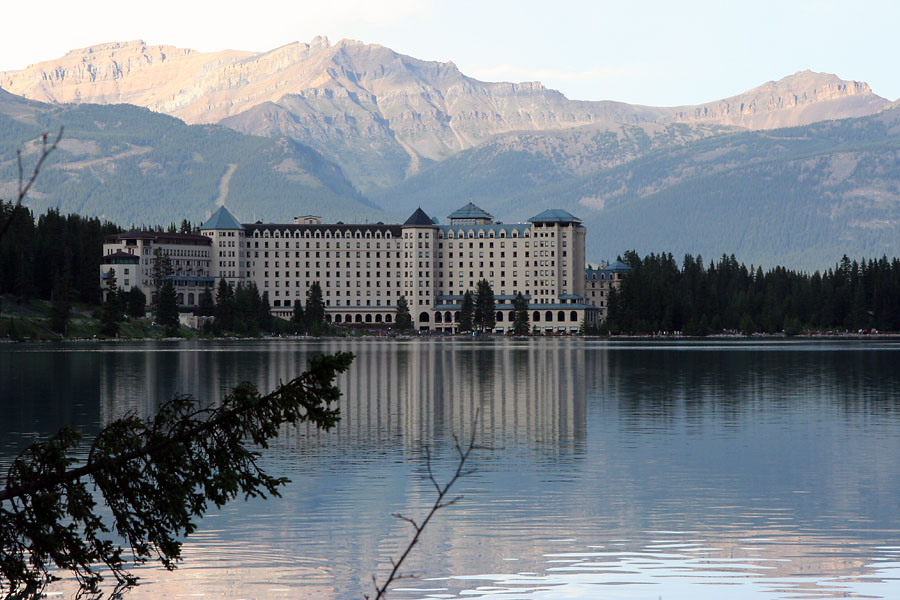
point(799, 99)
point(382, 115)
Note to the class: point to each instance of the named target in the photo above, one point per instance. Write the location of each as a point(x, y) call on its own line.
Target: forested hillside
point(131, 165)
point(797, 196)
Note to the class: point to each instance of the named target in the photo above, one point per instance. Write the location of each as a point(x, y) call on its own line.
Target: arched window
point(358, 318)
point(368, 318)
point(328, 318)
point(536, 316)
point(423, 317)
point(561, 316)
point(388, 318)
point(438, 317)
point(499, 316)
point(548, 316)
point(191, 299)
point(378, 318)
point(338, 318)
point(573, 316)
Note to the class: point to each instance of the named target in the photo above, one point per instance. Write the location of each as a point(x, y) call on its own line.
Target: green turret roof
point(470, 211)
point(222, 219)
point(555, 215)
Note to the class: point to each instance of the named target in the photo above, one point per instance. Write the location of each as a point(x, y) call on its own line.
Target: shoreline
point(479, 338)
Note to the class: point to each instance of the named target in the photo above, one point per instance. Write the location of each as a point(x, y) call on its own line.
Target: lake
point(611, 470)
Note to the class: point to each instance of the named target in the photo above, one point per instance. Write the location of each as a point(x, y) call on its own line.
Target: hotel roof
point(470, 211)
point(222, 219)
point(419, 218)
point(555, 215)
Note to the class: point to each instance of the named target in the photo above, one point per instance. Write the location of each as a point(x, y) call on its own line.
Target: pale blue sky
point(658, 53)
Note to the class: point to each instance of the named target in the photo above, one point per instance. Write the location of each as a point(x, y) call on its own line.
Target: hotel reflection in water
point(412, 391)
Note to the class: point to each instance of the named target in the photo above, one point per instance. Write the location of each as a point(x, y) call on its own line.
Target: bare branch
point(24, 185)
point(439, 503)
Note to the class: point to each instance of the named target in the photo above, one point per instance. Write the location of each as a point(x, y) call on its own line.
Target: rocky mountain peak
point(799, 99)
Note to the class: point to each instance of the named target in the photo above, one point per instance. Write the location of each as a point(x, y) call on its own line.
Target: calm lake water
point(616, 471)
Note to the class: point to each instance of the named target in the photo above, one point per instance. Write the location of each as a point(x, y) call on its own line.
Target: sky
point(659, 53)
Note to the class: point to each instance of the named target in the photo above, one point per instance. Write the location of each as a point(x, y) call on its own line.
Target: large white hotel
point(364, 269)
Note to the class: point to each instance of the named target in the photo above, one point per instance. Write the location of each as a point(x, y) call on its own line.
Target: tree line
point(52, 251)
point(695, 298)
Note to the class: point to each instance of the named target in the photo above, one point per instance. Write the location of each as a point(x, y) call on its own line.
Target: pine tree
point(206, 307)
point(298, 317)
point(403, 320)
point(521, 325)
point(137, 302)
point(315, 309)
point(60, 308)
point(264, 313)
point(485, 316)
point(161, 268)
point(111, 284)
point(167, 308)
point(110, 315)
point(224, 307)
point(466, 312)
point(246, 302)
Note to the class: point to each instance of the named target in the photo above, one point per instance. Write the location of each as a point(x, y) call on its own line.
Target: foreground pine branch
point(156, 476)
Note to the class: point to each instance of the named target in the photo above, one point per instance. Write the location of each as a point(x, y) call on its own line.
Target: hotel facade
point(364, 269)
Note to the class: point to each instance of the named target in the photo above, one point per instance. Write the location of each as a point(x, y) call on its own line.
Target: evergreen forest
point(659, 296)
point(54, 253)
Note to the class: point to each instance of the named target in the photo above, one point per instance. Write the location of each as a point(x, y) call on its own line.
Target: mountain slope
point(799, 99)
point(131, 165)
point(800, 196)
point(382, 115)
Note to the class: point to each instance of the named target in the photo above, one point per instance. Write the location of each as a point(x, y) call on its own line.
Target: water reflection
point(414, 392)
point(613, 470)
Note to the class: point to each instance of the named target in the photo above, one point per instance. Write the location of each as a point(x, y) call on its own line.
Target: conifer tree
point(167, 308)
point(298, 317)
point(111, 284)
point(60, 307)
point(521, 324)
point(264, 313)
point(111, 311)
point(466, 312)
point(485, 316)
point(206, 307)
point(224, 307)
point(161, 268)
point(315, 309)
point(136, 302)
point(403, 321)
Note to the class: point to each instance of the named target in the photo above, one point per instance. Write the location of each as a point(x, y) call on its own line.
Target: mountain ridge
point(381, 114)
point(356, 127)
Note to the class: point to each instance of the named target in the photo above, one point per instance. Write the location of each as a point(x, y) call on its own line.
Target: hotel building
point(364, 269)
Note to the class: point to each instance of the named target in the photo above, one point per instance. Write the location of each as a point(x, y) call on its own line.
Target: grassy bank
point(30, 321)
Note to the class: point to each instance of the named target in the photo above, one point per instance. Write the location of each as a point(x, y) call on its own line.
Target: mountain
point(799, 99)
point(362, 97)
point(798, 196)
point(795, 171)
point(131, 165)
point(383, 116)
